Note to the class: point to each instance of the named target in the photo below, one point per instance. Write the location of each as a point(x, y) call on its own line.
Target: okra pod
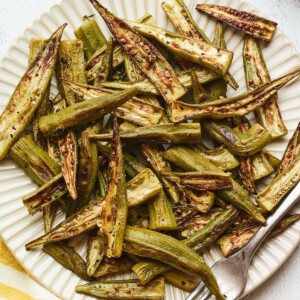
point(102, 184)
point(200, 200)
point(194, 50)
point(116, 206)
point(91, 35)
point(160, 213)
point(113, 265)
point(231, 107)
point(147, 243)
point(142, 187)
point(292, 151)
point(257, 74)
point(35, 46)
point(68, 257)
point(70, 66)
point(154, 156)
point(83, 112)
point(195, 223)
point(160, 133)
point(201, 181)
point(249, 23)
point(28, 94)
point(243, 144)
point(36, 163)
point(151, 62)
point(105, 69)
point(134, 110)
point(83, 220)
point(284, 224)
point(181, 280)
point(51, 191)
point(219, 156)
point(88, 164)
point(95, 252)
point(190, 160)
point(138, 216)
point(212, 230)
point(130, 289)
point(279, 186)
point(68, 148)
point(261, 166)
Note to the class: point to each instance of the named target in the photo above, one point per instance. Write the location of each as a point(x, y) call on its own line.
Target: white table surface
point(15, 15)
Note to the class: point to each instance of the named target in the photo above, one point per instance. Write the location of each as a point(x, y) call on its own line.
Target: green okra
point(231, 107)
point(35, 46)
point(199, 238)
point(37, 164)
point(49, 214)
point(95, 251)
point(160, 133)
point(70, 66)
point(105, 69)
point(68, 148)
point(51, 191)
point(132, 70)
point(146, 87)
point(194, 50)
point(269, 198)
point(95, 62)
point(216, 89)
point(257, 74)
point(28, 94)
point(212, 230)
point(273, 160)
point(113, 265)
point(147, 243)
point(261, 166)
point(91, 35)
point(199, 94)
point(83, 112)
point(200, 200)
point(142, 187)
point(151, 62)
point(154, 156)
point(243, 144)
point(284, 224)
point(68, 257)
point(160, 213)
point(196, 222)
point(219, 156)
point(201, 181)
point(88, 164)
point(181, 280)
point(190, 160)
point(134, 110)
point(116, 205)
point(249, 23)
point(292, 151)
point(83, 220)
point(130, 289)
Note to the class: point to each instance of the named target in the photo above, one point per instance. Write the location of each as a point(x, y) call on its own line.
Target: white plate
point(17, 227)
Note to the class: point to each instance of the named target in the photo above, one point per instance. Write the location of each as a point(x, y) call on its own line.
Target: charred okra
point(257, 74)
point(28, 94)
point(161, 133)
point(116, 206)
point(83, 112)
point(249, 23)
point(130, 289)
point(151, 62)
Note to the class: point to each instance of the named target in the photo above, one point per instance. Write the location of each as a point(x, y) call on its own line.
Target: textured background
point(15, 15)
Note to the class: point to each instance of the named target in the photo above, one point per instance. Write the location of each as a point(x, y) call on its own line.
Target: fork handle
point(271, 221)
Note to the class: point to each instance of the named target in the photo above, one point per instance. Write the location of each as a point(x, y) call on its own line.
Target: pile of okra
point(151, 211)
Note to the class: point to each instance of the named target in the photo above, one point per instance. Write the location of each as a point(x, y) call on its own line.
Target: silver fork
point(231, 273)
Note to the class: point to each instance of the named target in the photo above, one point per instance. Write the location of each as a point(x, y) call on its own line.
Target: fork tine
point(206, 295)
point(196, 292)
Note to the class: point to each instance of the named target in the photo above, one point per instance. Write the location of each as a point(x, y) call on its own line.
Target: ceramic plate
point(17, 227)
